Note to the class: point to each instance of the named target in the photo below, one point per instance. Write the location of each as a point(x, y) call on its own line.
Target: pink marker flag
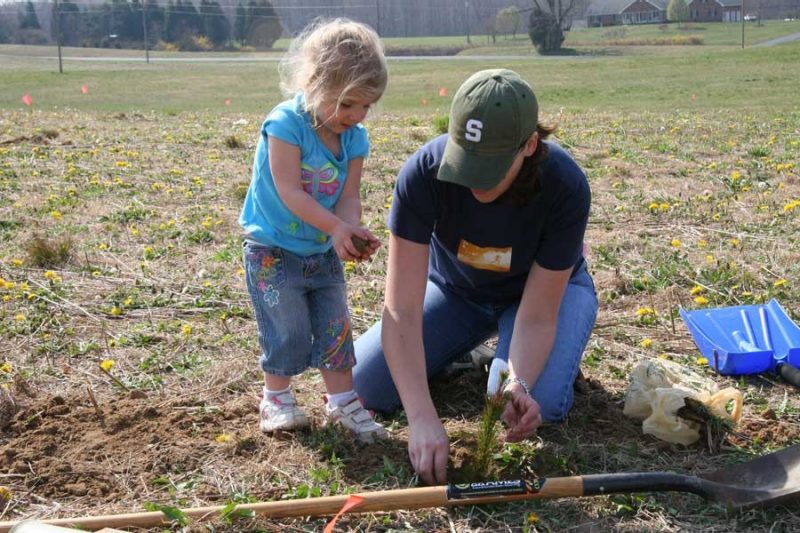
point(85, 89)
point(443, 91)
point(227, 101)
point(27, 100)
point(352, 501)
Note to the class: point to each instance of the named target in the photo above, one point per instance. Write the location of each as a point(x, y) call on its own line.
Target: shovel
point(767, 480)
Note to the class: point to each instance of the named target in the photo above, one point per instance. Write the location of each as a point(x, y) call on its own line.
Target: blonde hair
point(334, 57)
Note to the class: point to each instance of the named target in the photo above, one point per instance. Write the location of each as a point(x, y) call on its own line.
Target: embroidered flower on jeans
point(269, 268)
point(271, 296)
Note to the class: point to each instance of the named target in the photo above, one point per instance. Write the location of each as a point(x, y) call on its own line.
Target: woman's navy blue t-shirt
point(484, 252)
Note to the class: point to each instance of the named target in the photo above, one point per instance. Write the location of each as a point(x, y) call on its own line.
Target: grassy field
point(128, 351)
point(756, 78)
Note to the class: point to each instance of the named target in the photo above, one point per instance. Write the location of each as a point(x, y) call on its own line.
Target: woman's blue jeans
point(453, 325)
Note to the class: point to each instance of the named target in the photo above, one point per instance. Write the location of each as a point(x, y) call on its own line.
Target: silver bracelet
point(519, 381)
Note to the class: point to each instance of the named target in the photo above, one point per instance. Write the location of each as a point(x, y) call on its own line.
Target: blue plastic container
point(745, 339)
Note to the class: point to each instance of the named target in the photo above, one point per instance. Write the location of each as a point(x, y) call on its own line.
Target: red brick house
point(615, 12)
point(715, 10)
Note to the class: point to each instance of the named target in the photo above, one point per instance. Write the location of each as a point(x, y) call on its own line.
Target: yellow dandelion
point(116, 311)
point(701, 361)
point(780, 283)
point(653, 206)
point(107, 364)
point(19, 317)
point(5, 495)
point(709, 258)
point(702, 243)
point(223, 437)
point(701, 300)
point(350, 267)
point(16, 262)
point(675, 243)
point(736, 175)
point(6, 367)
point(186, 329)
point(645, 311)
point(533, 518)
point(697, 289)
point(128, 302)
point(56, 214)
point(646, 343)
point(664, 206)
point(734, 242)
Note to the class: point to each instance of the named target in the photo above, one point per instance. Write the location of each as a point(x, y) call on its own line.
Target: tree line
point(178, 24)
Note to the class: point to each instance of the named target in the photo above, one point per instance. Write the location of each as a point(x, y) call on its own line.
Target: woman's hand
point(521, 415)
point(428, 449)
point(353, 243)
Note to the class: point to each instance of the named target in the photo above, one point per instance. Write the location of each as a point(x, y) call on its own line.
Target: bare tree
point(548, 21)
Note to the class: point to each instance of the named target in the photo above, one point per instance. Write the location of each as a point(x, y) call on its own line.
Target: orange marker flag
point(227, 101)
point(443, 91)
point(352, 501)
point(85, 89)
point(27, 100)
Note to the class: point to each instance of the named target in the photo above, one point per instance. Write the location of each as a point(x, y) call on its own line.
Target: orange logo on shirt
point(495, 259)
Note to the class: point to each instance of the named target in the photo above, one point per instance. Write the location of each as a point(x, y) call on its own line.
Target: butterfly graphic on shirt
point(317, 181)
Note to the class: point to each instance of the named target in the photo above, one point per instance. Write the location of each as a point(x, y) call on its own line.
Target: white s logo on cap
point(473, 128)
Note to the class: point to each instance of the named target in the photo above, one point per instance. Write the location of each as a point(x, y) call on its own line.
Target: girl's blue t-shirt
point(484, 252)
point(264, 217)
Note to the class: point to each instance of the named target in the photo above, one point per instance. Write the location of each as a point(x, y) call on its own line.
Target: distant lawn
point(712, 33)
point(665, 79)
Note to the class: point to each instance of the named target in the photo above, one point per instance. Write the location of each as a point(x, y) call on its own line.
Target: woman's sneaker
point(281, 412)
point(359, 421)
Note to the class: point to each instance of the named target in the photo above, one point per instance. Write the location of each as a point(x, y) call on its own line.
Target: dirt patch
point(65, 449)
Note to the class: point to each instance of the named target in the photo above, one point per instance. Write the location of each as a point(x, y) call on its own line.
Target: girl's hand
point(354, 243)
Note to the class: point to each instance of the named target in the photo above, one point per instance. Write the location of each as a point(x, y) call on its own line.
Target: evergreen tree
point(156, 19)
point(215, 24)
point(69, 21)
point(240, 23)
point(264, 26)
point(29, 20)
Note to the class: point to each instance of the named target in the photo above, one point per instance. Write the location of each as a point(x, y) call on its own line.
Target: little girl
point(302, 210)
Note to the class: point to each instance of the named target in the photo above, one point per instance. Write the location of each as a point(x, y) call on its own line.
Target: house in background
point(615, 12)
point(715, 10)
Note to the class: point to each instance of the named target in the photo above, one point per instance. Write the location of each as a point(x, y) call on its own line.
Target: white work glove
point(495, 380)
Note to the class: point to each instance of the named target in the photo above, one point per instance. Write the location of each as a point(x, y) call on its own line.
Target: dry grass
point(681, 200)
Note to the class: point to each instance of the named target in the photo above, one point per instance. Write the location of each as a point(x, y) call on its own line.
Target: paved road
point(780, 40)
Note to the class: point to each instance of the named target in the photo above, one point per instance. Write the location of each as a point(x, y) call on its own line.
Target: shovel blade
point(768, 480)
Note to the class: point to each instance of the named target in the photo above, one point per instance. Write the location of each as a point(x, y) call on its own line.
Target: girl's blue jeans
point(453, 325)
point(300, 304)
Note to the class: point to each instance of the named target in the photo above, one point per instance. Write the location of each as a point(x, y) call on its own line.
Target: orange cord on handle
point(352, 501)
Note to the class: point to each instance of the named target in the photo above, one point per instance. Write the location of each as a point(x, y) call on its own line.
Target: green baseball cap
point(493, 113)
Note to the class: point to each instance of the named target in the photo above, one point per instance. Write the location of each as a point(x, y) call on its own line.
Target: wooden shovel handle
point(414, 498)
